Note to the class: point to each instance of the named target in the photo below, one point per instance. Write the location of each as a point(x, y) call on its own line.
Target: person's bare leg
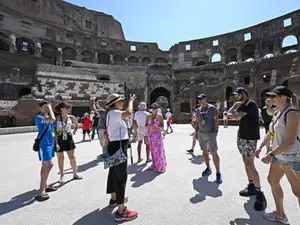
point(113, 196)
point(206, 158)
point(274, 177)
point(73, 164)
point(60, 159)
point(139, 150)
point(193, 143)
point(251, 171)
point(216, 160)
point(121, 207)
point(45, 171)
point(294, 181)
point(147, 152)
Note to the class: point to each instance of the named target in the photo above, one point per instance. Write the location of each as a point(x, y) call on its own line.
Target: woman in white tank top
point(65, 142)
point(284, 155)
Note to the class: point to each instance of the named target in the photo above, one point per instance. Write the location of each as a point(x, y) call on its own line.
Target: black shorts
point(66, 145)
point(267, 127)
point(86, 131)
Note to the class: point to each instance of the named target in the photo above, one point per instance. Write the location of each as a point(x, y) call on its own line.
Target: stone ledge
point(19, 130)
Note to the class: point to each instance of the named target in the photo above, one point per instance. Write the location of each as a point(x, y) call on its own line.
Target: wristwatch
point(272, 154)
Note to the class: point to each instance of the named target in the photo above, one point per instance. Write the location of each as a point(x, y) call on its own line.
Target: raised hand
point(132, 97)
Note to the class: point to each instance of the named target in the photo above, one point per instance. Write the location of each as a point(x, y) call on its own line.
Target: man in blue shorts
point(45, 120)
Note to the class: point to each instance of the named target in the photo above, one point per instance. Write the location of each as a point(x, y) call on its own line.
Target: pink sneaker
point(127, 215)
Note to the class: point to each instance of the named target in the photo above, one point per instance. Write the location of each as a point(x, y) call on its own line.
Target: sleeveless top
point(64, 127)
point(293, 153)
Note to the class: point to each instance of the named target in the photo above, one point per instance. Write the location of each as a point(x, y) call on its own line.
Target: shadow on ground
point(103, 216)
point(18, 202)
point(142, 176)
point(255, 217)
point(198, 160)
point(205, 188)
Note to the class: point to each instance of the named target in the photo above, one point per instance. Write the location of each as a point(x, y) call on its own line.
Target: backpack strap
point(43, 134)
point(285, 115)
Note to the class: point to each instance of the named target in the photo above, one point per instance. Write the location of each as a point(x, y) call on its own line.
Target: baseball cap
point(280, 91)
point(240, 90)
point(201, 96)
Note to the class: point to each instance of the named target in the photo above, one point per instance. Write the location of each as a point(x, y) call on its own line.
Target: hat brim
point(271, 94)
point(114, 101)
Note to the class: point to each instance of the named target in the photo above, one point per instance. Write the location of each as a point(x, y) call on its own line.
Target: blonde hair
point(294, 101)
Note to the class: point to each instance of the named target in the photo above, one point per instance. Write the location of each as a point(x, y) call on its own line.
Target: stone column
point(111, 59)
point(59, 57)
point(12, 47)
point(78, 57)
point(38, 49)
point(95, 59)
point(239, 55)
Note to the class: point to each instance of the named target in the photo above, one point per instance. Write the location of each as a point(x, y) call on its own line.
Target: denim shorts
point(294, 165)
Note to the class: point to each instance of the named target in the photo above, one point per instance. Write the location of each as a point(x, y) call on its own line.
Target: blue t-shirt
point(49, 138)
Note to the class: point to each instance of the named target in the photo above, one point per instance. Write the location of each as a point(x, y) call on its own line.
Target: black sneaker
point(191, 151)
point(51, 189)
point(248, 191)
point(113, 203)
point(260, 201)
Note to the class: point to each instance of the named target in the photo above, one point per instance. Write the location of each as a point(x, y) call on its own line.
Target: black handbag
point(37, 141)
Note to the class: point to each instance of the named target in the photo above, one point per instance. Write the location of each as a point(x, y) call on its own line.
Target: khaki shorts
point(141, 133)
point(208, 141)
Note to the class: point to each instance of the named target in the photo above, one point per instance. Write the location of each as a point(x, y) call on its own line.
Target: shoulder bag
point(37, 141)
point(115, 159)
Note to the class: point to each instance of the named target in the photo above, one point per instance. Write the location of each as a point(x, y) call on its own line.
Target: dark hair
point(60, 106)
point(41, 104)
point(154, 105)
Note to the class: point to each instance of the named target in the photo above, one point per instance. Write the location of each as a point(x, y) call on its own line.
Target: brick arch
point(248, 51)
point(133, 59)
point(118, 58)
point(49, 50)
point(161, 60)
point(103, 58)
point(146, 61)
point(25, 45)
point(69, 53)
point(4, 46)
point(87, 56)
point(231, 55)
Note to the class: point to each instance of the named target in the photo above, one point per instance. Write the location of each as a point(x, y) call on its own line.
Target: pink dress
point(156, 147)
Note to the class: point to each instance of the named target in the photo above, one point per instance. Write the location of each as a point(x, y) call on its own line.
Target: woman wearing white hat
point(118, 137)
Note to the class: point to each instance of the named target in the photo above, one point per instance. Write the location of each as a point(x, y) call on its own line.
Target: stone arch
point(161, 60)
point(69, 53)
point(133, 59)
point(24, 91)
point(103, 58)
point(49, 50)
point(146, 61)
point(4, 46)
point(248, 51)
point(25, 45)
point(200, 63)
point(231, 55)
point(216, 58)
point(118, 58)
point(289, 41)
point(158, 92)
point(87, 56)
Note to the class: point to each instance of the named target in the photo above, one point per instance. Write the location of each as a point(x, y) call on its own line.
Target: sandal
point(42, 197)
point(140, 160)
point(77, 177)
point(148, 160)
point(51, 189)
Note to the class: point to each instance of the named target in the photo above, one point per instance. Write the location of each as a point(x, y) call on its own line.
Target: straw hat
point(113, 99)
point(142, 106)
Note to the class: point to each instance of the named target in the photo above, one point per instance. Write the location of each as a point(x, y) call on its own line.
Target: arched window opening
point(103, 58)
point(289, 41)
point(216, 58)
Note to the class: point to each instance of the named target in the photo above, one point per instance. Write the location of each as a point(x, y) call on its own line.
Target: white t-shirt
point(116, 126)
point(168, 115)
point(140, 118)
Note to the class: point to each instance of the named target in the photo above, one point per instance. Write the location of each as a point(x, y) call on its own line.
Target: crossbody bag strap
point(43, 134)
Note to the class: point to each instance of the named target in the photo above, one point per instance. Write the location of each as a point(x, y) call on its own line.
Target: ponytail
point(295, 102)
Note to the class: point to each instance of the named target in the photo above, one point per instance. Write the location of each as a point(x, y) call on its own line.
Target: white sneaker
point(61, 179)
point(273, 216)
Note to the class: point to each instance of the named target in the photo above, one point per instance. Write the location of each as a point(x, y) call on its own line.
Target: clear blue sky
point(169, 21)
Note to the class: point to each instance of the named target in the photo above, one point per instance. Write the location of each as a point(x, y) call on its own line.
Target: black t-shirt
point(265, 116)
point(249, 124)
point(96, 119)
